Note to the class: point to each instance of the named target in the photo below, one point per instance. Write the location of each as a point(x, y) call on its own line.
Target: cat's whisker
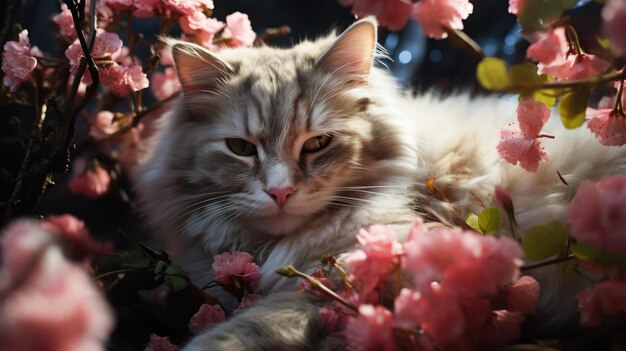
point(200, 203)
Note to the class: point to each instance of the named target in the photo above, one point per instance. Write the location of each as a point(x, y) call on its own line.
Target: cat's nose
point(280, 195)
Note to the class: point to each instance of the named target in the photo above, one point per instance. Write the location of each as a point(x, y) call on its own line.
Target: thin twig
point(547, 262)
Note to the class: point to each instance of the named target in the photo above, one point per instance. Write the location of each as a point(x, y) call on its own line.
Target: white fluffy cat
point(287, 153)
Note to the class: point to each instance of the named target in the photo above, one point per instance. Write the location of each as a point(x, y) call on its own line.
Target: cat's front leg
point(281, 321)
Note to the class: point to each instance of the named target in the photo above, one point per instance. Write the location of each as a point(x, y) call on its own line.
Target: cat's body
point(368, 153)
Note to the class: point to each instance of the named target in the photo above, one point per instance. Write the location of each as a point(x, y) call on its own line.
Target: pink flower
point(205, 35)
point(549, 47)
point(522, 145)
point(186, 7)
point(241, 33)
point(378, 254)
point(462, 260)
point(145, 8)
point(609, 126)
point(107, 48)
point(437, 312)
point(56, 306)
point(390, 13)
point(160, 343)
point(370, 330)
point(248, 301)
point(523, 296)
point(436, 15)
point(515, 6)
point(65, 22)
point(165, 84)
point(575, 67)
point(72, 231)
point(614, 16)
point(597, 214)
point(606, 299)
point(124, 79)
point(206, 317)
point(89, 182)
point(103, 125)
point(228, 267)
point(18, 62)
point(130, 148)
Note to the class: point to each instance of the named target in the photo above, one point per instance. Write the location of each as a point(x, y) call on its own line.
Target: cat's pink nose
point(280, 195)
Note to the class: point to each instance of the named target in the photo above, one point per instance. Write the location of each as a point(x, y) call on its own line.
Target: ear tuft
point(198, 69)
point(351, 56)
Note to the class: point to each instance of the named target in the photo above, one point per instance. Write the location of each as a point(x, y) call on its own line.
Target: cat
point(286, 153)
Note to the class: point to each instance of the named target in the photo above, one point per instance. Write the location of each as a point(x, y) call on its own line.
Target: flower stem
point(291, 272)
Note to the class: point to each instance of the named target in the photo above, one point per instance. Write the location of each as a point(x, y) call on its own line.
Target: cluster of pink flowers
point(48, 302)
point(455, 278)
point(597, 217)
point(434, 15)
point(521, 144)
point(117, 71)
point(91, 181)
point(608, 124)
point(18, 61)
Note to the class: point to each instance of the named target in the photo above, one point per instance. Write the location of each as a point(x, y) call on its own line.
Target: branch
point(547, 262)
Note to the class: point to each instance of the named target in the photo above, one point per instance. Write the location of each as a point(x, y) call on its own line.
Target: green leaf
point(472, 221)
point(534, 15)
point(543, 241)
point(605, 258)
point(123, 260)
point(489, 220)
point(572, 108)
point(569, 3)
point(492, 73)
point(176, 278)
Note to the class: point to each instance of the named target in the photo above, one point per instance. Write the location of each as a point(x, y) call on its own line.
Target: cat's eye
point(316, 143)
point(241, 147)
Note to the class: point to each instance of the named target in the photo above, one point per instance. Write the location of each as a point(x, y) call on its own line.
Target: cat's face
point(278, 136)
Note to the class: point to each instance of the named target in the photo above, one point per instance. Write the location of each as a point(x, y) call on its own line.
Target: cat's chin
point(280, 224)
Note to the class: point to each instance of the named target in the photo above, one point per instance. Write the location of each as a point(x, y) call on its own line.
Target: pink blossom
point(514, 147)
point(549, 47)
point(229, 267)
point(370, 330)
point(614, 16)
point(165, 84)
point(145, 8)
point(18, 62)
point(55, 307)
point(65, 22)
point(606, 299)
point(515, 6)
point(523, 296)
point(240, 29)
point(390, 13)
point(503, 328)
point(130, 148)
point(160, 343)
point(468, 262)
point(436, 15)
point(437, 312)
point(609, 126)
point(124, 79)
point(103, 125)
point(123, 5)
point(597, 214)
point(522, 145)
point(206, 317)
point(72, 231)
point(206, 34)
point(89, 182)
point(186, 7)
point(247, 301)
point(107, 48)
point(376, 258)
point(575, 67)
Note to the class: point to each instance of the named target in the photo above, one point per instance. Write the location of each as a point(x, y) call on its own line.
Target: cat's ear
point(351, 56)
point(198, 69)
